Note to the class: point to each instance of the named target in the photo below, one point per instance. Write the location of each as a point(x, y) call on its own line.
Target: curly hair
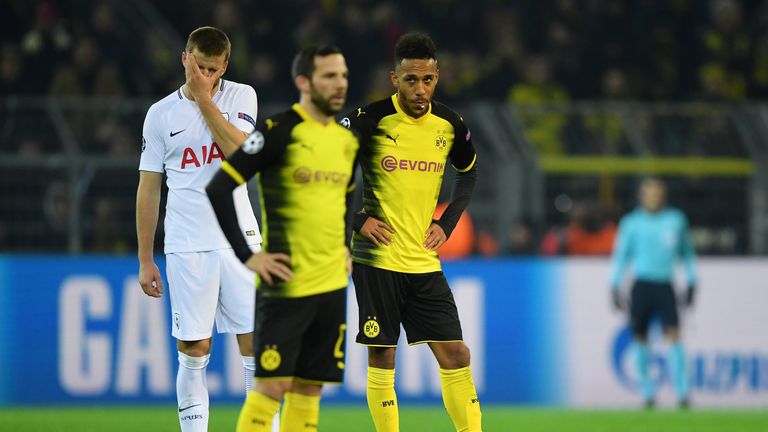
point(415, 45)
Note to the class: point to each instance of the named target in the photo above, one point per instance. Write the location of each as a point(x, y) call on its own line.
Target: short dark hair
point(415, 45)
point(304, 62)
point(209, 41)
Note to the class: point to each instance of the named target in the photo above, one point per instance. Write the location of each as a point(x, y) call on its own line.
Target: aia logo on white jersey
point(190, 157)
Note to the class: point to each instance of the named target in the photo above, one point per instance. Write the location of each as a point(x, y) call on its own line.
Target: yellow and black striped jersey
point(403, 160)
point(305, 170)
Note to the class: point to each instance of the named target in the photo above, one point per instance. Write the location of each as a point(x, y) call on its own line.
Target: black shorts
point(649, 300)
point(302, 337)
point(422, 302)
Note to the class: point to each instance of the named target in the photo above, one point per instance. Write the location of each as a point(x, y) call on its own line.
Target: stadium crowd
point(523, 52)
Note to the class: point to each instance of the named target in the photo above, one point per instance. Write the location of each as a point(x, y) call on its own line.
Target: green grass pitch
point(334, 418)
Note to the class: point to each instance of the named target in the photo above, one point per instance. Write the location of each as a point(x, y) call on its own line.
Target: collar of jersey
point(405, 115)
point(653, 214)
point(306, 117)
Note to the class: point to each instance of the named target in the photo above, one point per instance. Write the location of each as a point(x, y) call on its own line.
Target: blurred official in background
point(652, 239)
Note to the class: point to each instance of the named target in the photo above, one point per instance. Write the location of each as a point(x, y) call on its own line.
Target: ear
point(184, 57)
point(302, 83)
point(224, 69)
point(393, 78)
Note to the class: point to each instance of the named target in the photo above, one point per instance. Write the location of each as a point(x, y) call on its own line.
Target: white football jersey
point(177, 141)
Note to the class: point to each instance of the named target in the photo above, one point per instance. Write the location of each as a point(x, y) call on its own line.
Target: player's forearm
point(147, 213)
point(227, 136)
point(618, 262)
point(463, 187)
point(689, 259)
point(616, 273)
point(690, 268)
point(219, 192)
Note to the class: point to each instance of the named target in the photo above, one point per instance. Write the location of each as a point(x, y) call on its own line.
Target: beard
point(323, 104)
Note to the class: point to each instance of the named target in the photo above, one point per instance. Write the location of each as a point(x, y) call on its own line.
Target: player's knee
point(460, 355)
point(198, 348)
point(452, 355)
point(245, 342)
point(272, 389)
point(381, 357)
point(306, 389)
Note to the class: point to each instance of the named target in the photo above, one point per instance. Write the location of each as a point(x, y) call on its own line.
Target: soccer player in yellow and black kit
point(405, 143)
point(306, 161)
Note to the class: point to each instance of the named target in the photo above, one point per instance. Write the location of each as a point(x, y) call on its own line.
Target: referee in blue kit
point(651, 239)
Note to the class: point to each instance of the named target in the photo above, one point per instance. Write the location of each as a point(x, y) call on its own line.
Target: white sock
point(192, 393)
point(249, 365)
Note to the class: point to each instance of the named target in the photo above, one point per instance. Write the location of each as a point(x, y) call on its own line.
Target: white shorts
point(208, 286)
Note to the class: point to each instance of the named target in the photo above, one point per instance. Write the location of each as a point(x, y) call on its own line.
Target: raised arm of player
point(464, 159)
point(254, 155)
point(147, 212)
point(227, 135)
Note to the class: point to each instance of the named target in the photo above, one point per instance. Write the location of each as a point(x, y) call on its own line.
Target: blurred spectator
point(378, 85)
point(727, 41)
point(266, 78)
point(522, 238)
point(506, 50)
point(720, 85)
point(605, 127)
point(45, 44)
point(759, 71)
point(589, 232)
point(106, 235)
point(13, 80)
point(110, 136)
point(57, 207)
point(542, 129)
point(227, 16)
point(160, 65)
point(87, 74)
point(114, 42)
point(487, 246)
point(30, 149)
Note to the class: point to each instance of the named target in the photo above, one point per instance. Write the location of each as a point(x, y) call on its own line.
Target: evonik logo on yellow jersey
point(390, 163)
point(305, 175)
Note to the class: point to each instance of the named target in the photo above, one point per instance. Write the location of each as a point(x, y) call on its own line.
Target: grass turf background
point(334, 418)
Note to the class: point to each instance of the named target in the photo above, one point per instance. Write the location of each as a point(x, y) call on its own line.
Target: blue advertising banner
point(80, 330)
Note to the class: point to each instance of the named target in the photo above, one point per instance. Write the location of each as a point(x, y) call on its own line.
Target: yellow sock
point(382, 400)
point(300, 413)
point(460, 398)
point(257, 413)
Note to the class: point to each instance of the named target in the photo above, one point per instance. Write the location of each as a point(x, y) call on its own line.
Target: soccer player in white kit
point(186, 135)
